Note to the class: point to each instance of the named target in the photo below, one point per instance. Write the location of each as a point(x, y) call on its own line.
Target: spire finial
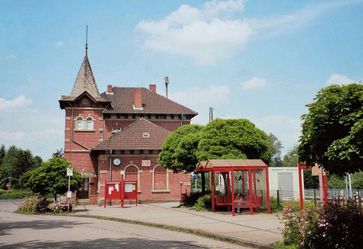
point(86, 39)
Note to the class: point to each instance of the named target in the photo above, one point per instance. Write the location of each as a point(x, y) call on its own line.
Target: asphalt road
point(42, 231)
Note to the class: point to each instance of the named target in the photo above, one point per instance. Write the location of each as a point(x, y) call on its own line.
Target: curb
point(197, 232)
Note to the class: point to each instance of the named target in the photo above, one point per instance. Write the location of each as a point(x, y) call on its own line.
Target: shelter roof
point(140, 135)
point(229, 163)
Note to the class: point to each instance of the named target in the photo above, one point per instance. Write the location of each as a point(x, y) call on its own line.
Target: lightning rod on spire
point(86, 39)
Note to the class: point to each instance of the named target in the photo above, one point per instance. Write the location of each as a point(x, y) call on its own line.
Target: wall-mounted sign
point(116, 161)
point(146, 163)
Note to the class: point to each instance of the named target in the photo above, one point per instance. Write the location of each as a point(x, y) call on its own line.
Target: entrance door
point(83, 191)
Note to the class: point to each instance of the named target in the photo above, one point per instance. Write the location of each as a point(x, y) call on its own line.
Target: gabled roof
point(85, 81)
point(135, 137)
point(153, 103)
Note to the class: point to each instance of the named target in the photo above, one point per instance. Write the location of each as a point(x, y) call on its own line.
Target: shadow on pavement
point(38, 224)
point(129, 243)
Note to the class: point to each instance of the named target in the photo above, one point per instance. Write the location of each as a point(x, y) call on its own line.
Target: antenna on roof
point(166, 80)
point(86, 39)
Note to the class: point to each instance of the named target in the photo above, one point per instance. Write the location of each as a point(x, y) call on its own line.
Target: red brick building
point(120, 133)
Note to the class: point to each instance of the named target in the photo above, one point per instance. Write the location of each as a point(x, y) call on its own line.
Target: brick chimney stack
point(138, 99)
point(152, 88)
point(109, 89)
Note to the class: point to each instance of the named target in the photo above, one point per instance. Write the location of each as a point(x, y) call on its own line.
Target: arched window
point(160, 179)
point(132, 173)
point(79, 123)
point(89, 124)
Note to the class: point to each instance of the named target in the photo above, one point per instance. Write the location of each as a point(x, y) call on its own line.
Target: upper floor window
point(84, 124)
point(79, 123)
point(89, 124)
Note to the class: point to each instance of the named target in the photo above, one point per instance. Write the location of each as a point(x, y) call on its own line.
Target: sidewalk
point(259, 229)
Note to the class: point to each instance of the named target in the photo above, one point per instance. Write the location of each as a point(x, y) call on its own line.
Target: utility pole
point(211, 109)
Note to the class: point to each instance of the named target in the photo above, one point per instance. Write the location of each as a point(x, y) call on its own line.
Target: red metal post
point(105, 199)
point(268, 192)
point(232, 189)
point(212, 190)
point(250, 190)
point(122, 192)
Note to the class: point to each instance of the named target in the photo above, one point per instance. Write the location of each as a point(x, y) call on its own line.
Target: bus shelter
point(238, 184)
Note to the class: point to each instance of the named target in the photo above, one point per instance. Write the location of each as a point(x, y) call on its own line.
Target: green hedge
point(14, 193)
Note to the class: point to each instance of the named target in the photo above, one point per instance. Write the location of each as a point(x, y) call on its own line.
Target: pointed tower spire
point(85, 80)
point(86, 40)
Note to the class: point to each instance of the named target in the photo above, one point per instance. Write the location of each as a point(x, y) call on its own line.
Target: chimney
point(152, 88)
point(109, 89)
point(138, 99)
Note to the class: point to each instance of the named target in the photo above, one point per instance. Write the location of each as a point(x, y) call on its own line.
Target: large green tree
point(178, 152)
point(229, 138)
point(332, 131)
point(51, 178)
point(233, 139)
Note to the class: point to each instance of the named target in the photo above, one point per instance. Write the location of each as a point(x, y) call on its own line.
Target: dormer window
point(116, 130)
point(145, 134)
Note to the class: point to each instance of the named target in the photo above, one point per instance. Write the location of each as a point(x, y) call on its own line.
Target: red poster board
point(113, 191)
point(123, 190)
point(130, 191)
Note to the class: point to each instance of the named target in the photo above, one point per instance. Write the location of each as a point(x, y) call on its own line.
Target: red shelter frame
point(301, 168)
point(229, 167)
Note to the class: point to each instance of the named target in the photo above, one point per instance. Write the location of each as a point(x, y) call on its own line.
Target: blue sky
point(261, 60)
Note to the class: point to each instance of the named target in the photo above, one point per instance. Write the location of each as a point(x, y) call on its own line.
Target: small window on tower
point(145, 134)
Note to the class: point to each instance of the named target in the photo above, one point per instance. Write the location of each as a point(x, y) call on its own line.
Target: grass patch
point(281, 245)
point(14, 194)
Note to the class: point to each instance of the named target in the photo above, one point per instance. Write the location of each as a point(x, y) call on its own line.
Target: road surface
point(41, 231)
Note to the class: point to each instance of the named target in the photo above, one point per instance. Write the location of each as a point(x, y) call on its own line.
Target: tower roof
point(85, 81)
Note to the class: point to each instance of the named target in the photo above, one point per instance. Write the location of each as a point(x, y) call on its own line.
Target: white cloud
point(216, 31)
point(59, 44)
point(254, 83)
point(18, 103)
point(339, 79)
point(203, 34)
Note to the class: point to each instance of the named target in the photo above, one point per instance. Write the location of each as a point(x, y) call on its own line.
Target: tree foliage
point(14, 162)
point(220, 139)
point(276, 147)
point(233, 139)
point(178, 152)
point(332, 131)
point(291, 158)
point(51, 178)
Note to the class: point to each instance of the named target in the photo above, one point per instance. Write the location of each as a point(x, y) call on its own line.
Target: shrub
point(33, 204)
point(337, 227)
point(192, 199)
point(59, 206)
point(203, 203)
point(297, 225)
point(14, 193)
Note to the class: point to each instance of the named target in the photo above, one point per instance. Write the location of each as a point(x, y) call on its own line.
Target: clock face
point(116, 161)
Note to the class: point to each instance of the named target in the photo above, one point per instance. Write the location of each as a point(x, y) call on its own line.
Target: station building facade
point(119, 133)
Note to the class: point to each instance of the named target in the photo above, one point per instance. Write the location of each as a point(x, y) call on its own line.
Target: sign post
point(69, 192)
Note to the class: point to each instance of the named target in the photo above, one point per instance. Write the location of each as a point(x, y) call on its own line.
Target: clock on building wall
point(116, 161)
